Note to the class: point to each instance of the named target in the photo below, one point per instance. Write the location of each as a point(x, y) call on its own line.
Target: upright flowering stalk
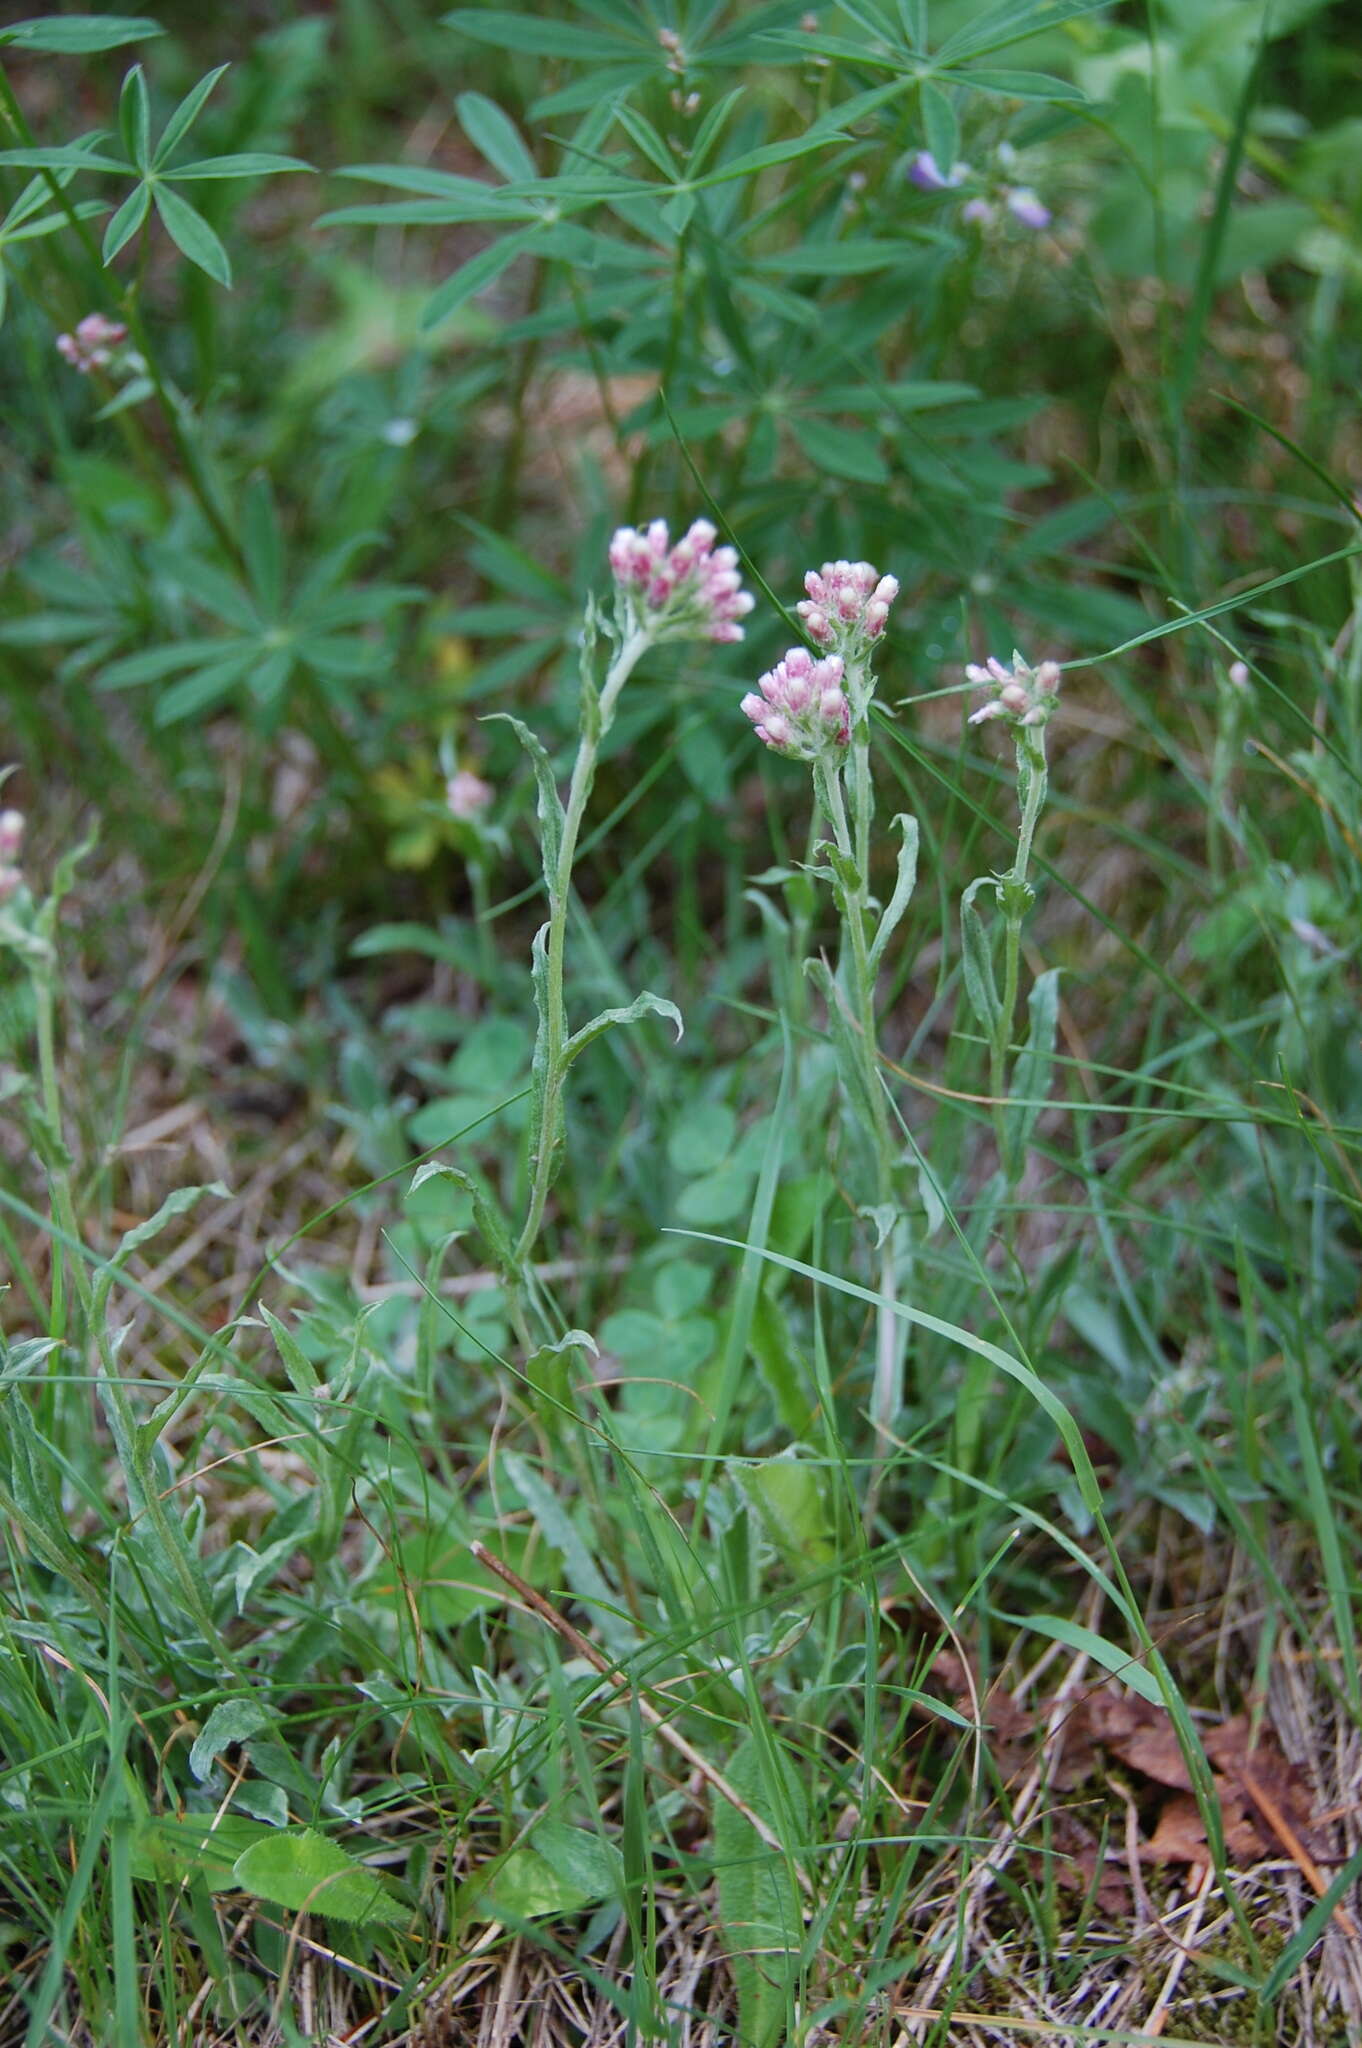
point(816, 708)
point(664, 590)
point(1024, 699)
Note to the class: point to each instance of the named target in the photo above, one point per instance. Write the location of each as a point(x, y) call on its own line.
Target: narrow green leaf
point(495, 136)
point(940, 127)
point(550, 807)
point(1012, 22)
point(262, 545)
point(70, 156)
point(646, 1005)
point(1026, 85)
point(976, 949)
point(1109, 1655)
point(134, 117)
point(186, 114)
point(904, 884)
point(192, 236)
point(78, 35)
point(124, 223)
point(1030, 1083)
point(254, 163)
point(540, 34)
point(475, 276)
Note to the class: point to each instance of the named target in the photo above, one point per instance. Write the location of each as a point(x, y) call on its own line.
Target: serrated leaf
point(308, 1873)
point(192, 236)
point(230, 1721)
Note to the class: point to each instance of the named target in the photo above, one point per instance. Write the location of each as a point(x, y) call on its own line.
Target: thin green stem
point(553, 1031)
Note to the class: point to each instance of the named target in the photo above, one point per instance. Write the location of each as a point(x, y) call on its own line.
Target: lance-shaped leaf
point(1031, 1075)
point(646, 1005)
point(904, 884)
point(847, 1041)
point(77, 35)
point(487, 1217)
point(759, 1902)
point(550, 805)
point(981, 985)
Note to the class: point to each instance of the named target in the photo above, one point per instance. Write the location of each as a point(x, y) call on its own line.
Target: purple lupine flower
point(690, 591)
point(1023, 205)
point(1022, 695)
point(847, 605)
point(92, 345)
point(802, 711)
point(926, 173)
point(979, 211)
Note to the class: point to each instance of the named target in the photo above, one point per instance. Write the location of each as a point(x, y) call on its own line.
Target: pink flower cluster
point(847, 605)
point(690, 591)
point(11, 842)
point(467, 794)
point(803, 710)
point(1022, 695)
point(92, 345)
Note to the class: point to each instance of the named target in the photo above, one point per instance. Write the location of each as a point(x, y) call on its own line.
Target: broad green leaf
point(231, 1721)
point(841, 451)
point(791, 1497)
point(192, 236)
point(703, 1139)
point(178, 1849)
point(308, 1873)
point(758, 1897)
point(495, 136)
point(78, 35)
